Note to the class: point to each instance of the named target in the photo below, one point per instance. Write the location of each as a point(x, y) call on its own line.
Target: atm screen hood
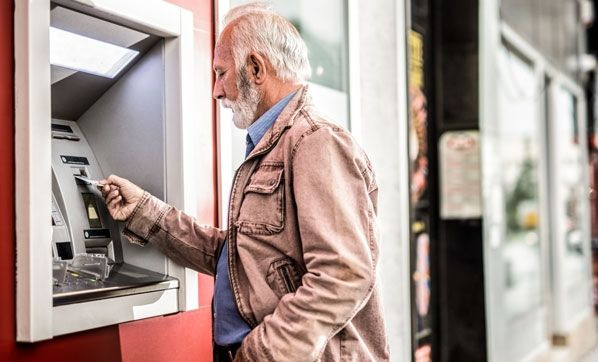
point(75, 91)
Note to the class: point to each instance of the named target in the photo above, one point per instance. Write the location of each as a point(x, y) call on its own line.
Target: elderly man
point(296, 267)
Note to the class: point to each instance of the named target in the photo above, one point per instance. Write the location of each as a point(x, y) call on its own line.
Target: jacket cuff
point(145, 219)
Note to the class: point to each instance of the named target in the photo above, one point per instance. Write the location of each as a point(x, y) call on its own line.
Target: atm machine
point(103, 87)
point(87, 246)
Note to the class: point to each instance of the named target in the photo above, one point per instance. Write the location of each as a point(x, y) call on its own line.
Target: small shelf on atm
point(124, 280)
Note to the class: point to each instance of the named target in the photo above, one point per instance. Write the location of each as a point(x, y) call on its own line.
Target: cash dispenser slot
point(124, 280)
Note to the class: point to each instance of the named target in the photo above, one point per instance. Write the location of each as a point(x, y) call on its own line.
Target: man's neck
point(274, 94)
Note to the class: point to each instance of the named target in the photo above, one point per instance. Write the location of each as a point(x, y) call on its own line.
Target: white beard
point(245, 107)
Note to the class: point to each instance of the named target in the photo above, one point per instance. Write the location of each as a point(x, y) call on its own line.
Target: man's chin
point(241, 123)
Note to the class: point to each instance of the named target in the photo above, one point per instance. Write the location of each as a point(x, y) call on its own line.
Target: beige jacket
point(303, 243)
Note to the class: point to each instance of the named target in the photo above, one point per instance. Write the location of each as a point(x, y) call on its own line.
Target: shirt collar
point(258, 129)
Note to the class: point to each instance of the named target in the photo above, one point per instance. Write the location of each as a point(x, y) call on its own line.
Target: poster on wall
point(418, 146)
point(421, 292)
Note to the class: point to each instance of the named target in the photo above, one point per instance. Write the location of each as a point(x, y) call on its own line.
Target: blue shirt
point(229, 326)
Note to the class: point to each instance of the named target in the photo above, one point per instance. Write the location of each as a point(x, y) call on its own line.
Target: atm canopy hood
point(75, 91)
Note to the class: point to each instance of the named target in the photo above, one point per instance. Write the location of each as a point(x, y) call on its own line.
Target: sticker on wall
point(460, 187)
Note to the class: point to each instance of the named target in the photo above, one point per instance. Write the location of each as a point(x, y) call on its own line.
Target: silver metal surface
point(124, 280)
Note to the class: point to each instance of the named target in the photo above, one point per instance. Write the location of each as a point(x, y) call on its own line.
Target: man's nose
point(218, 91)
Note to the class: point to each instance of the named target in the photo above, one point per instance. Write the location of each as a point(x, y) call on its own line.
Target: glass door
point(570, 246)
point(515, 210)
point(518, 157)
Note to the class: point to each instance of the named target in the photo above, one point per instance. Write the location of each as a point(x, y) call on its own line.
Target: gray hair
point(258, 28)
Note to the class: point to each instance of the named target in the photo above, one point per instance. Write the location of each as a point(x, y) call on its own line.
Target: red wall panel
point(179, 337)
point(7, 220)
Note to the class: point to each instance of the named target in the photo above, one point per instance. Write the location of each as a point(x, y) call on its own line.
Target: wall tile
point(176, 338)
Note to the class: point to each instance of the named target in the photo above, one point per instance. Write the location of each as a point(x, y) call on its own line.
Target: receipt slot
point(103, 87)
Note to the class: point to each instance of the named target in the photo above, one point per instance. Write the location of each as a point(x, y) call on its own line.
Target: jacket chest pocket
point(262, 208)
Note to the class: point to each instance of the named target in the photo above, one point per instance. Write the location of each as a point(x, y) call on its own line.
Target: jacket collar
point(285, 120)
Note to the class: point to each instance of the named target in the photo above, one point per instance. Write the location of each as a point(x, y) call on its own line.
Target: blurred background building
point(480, 119)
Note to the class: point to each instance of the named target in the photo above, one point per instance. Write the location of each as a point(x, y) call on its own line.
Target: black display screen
point(91, 209)
point(61, 128)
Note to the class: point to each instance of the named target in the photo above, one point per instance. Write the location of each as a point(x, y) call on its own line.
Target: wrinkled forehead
point(223, 55)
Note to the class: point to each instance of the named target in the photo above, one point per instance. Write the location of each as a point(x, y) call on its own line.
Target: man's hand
point(121, 195)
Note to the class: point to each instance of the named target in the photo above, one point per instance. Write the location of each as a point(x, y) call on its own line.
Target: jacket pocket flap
point(265, 180)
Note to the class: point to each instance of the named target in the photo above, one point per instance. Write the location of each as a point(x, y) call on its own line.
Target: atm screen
point(91, 208)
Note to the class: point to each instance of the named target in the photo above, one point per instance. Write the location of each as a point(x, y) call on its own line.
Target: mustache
point(227, 104)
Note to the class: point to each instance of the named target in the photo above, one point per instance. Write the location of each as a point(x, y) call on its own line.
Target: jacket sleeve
point(336, 224)
point(175, 234)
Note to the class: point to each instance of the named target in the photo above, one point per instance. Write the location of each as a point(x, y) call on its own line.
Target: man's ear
point(257, 68)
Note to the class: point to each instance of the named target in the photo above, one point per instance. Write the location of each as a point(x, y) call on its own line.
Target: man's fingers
point(105, 189)
point(110, 198)
point(112, 195)
point(107, 186)
point(114, 207)
point(112, 204)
